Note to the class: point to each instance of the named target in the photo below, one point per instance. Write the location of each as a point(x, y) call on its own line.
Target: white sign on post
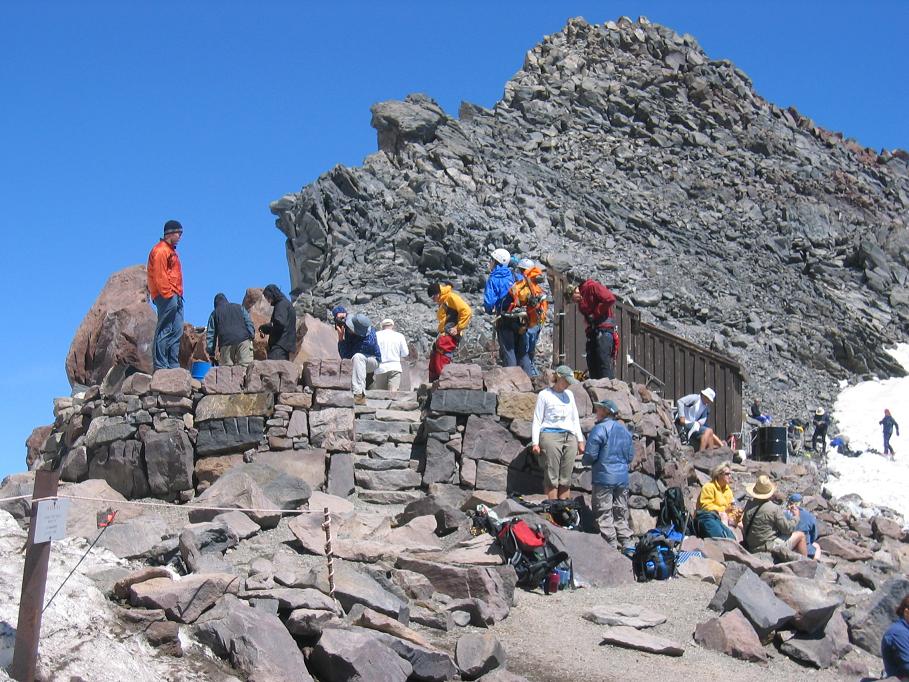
point(50, 522)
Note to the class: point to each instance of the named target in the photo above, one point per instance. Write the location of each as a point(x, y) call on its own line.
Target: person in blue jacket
point(497, 300)
point(358, 343)
point(895, 643)
point(609, 452)
point(888, 422)
point(806, 523)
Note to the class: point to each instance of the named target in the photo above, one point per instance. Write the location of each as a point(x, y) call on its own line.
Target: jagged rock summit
point(623, 152)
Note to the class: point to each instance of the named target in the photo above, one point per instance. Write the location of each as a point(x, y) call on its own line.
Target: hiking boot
point(359, 399)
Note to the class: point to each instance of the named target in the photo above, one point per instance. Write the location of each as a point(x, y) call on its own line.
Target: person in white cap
point(497, 300)
point(394, 347)
point(821, 422)
point(693, 411)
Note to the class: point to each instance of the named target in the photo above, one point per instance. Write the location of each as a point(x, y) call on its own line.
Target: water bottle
point(551, 584)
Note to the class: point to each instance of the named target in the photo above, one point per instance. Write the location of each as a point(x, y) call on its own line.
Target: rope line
point(185, 507)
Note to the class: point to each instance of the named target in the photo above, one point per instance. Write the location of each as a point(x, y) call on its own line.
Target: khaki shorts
point(559, 449)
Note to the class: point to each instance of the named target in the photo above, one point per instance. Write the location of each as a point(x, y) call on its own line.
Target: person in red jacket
point(596, 303)
point(165, 285)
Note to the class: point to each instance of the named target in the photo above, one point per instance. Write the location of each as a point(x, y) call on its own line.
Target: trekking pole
point(326, 526)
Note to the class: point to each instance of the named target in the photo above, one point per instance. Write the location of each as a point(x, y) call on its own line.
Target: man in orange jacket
point(165, 285)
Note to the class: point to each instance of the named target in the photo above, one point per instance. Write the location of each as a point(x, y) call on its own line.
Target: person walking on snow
point(231, 330)
point(393, 348)
point(889, 423)
point(609, 452)
point(454, 315)
point(282, 330)
point(165, 286)
point(496, 301)
point(596, 303)
point(359, 345)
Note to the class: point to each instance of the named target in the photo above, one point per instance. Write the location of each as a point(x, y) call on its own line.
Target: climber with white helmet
point(496, 300)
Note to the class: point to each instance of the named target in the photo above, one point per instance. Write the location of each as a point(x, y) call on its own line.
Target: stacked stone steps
point(386, 462)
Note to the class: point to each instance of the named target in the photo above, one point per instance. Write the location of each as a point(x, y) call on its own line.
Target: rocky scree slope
point(623, 152)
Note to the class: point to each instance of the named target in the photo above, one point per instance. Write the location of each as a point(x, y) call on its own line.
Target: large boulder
point(732, 635)
point(346, 655)
point(487, 439)
point(316, 340)
point(822, 649)
point(477, 654)
point(812, 602)
point(253, 640)
point(117, 330)
point(630, 638)
point(122, 465)
point(874, 614)
point(186, 599)
point(758, 603)
point(169, 460)
point(235, 491)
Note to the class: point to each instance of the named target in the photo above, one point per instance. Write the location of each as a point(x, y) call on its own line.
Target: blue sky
point(118, 116)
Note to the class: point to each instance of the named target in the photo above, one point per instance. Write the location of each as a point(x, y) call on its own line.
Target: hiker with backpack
point(596, 303)
point(765, 526)
point(609, 451)
point(497, 300)
point(716, 510)
point(527, 295)
point(556, 433)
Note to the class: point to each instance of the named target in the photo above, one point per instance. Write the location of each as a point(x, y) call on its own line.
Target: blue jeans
point(507, 335)
point(527, 346)
point(166, 350)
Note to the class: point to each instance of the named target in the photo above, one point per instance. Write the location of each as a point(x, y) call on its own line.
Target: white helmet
point(501, 256)
point(525, 264)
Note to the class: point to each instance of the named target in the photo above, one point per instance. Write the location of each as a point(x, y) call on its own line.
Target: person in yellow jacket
point(454, 315)
point(529, 296)
point(716, 509)
point(165, 286)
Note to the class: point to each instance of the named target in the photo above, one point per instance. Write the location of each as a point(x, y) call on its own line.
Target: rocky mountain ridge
point(623, 152)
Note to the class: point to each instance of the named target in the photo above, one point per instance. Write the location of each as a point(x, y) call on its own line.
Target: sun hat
point(387, 322)
point(762, 489)
point(608, 405)
point(710, 393)
point(566, 372)
point(819, 412)
point(501, 256)
point(359, 324)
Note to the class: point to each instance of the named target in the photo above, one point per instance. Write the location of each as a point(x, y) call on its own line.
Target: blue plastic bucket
point(200, 369)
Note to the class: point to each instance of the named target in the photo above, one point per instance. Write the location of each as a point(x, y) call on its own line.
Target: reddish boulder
point(117, 330)
point(35, 442)
point(316, 340)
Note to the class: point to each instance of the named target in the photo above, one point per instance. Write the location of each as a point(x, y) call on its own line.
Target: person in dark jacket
point(282, 330)
point(895, 644)
point(231, 330)
point(497, 300)
point(821, 421)
point(757, 414)
point(889, 423)
point(609, 451)
point(596, 303)
point(360, 345)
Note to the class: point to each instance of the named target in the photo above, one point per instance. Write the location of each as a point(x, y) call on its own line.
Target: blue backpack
point(654, 557)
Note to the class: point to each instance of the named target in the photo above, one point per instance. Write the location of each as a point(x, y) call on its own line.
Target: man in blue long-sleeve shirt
point(609, 452)
point(497, 300)
point(895, 643)
point(358, 343)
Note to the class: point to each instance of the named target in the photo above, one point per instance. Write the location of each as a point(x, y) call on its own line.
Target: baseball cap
point(607, 404)
point(566, 372)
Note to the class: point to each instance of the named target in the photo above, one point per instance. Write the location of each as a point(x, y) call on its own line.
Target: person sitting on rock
point(756, 413)
point(895, 644)
point(806, 524)
point(454, 315)
point(821, 421)
point(556, 432)
point(596, 303)
point(360, 346)
point(496, 300)
point(765, 526)
point(231, 330)
point(282, 329)
point(715, 511)
point(527, 294)
point(693, 412)
point(609, 452)
point(889, 423)
point(393, 347)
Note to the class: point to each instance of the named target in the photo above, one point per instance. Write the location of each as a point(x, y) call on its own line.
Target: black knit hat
point(172, 226)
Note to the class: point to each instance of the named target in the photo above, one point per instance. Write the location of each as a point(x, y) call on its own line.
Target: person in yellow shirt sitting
point(716, 510)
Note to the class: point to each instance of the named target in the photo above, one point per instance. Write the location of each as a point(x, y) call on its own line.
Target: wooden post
point(326, 526)
point(34, 581)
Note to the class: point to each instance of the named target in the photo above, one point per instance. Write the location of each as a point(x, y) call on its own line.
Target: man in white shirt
point(394, 347)
point(556, 433)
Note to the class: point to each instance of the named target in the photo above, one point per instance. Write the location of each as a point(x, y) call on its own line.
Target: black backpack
point(530, 553)
point(654, 557)
point(673, 513)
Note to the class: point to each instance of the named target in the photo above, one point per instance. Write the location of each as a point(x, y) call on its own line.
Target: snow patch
point(857, 410)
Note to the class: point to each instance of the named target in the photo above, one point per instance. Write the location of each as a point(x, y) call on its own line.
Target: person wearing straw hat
point(556, 433)
point(766, 526)
point(393, 346)
point(609, 451)
point(821, 421)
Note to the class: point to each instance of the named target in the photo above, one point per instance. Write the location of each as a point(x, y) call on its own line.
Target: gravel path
point(546, 638)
